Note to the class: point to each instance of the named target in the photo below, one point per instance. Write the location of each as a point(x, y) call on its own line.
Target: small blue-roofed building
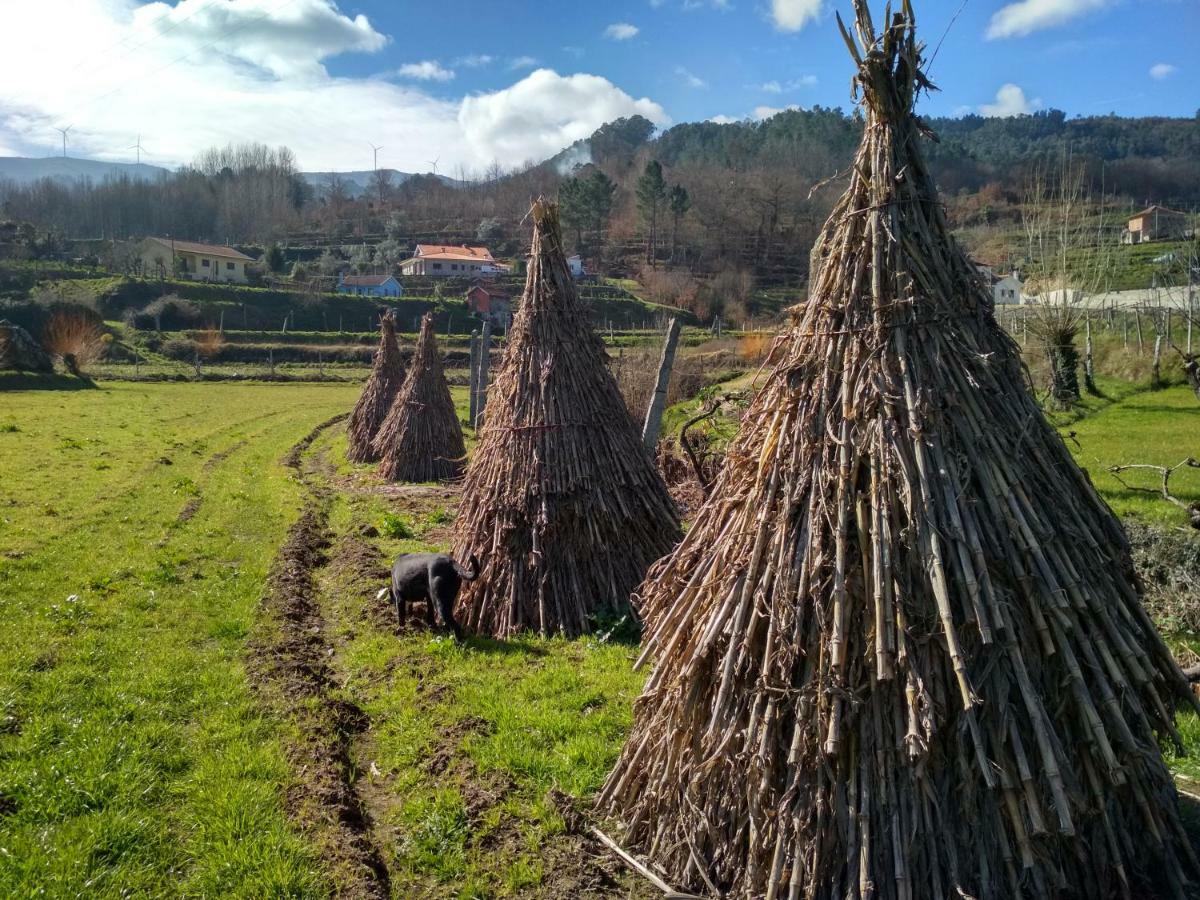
point(370, 285)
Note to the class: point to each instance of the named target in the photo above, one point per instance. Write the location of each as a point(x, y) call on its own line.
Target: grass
point(1155, 427)
point(137, 525)
point(133, 758)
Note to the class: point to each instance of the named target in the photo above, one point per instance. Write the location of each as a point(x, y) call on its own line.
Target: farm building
point(442, 259)
point(1155, 223)
point(161, 257)
point(370, 285)
point(490, 301)
point(1006, 290)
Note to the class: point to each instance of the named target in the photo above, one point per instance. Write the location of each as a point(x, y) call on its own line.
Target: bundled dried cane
point(562, 503)
point(421, 438)
point(387, 374)
point(901, 653)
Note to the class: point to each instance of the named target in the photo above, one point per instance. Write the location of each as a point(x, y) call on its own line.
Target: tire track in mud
point(289, 665)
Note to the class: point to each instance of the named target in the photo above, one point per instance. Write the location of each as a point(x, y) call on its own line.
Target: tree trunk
point(1064, 374)
point(1156, 366)
point(1089, 369)
point(658, 402)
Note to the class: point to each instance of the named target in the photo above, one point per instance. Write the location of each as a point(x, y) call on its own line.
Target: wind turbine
point(63, 132)
point(138, 147)
point(378, 183)
point(433, 162)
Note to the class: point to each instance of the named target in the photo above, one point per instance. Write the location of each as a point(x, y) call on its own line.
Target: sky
point(459, 87)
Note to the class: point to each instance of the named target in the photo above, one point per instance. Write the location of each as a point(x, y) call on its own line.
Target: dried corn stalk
point(902, 652)
point(421, 438)
point(562, 503)
point(387, 374)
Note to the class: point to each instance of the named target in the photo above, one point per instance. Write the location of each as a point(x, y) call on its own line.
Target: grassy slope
point(132, 755)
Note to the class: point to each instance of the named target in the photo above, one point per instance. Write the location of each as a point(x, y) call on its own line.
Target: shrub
point(75, 338)
point(395, 526)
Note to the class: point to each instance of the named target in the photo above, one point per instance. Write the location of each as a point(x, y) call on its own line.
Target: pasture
point(201, 696)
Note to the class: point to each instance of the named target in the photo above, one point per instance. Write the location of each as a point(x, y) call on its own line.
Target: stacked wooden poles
point(901, 653)
point(421, 438)
point(561, 503)
point(379, 393)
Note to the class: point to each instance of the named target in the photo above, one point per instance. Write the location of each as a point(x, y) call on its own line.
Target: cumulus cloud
point(1010, 101)
point(1159, 71)
point(286, 40)
point(792, 15)
point(544, 112)
point(723, 119)
point(620, 31)
point(265, 83)
point(771, 87)
point(522, 62)
point(1026, 16)
point(690, 79)
point(428, 70)
point(474, 60)
point(766, 112)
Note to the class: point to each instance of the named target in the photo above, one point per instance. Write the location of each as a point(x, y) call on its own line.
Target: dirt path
point(289, 662)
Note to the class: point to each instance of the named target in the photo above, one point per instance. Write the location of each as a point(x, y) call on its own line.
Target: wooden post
point(1137, 324)
point(1191, 314)
point(1155, 368)
point(472, 380)
point(271, 359)
point(137, 362)
point(1089, 371)
point(1024, 329)
point(320, 363)
point(1125, 330)
point(658, 401)
point(221, 324)
point(485, 347)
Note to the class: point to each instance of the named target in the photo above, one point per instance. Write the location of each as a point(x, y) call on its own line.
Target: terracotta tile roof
point(1150, 210)
point(447, 251)
point(364, 280)
point(203, 249)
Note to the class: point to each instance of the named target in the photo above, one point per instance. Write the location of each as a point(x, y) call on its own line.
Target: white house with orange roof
point(445, 259)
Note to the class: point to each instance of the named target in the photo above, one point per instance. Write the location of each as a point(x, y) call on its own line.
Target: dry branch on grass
point(1164, 488)
point(901, 653)
point(421, 438)
point(562, 503)
point(379, 393)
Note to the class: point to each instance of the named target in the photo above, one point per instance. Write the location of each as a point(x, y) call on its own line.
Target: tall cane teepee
point(421, 438)
point(562, 504)
point(387, 374)
point(901, 653)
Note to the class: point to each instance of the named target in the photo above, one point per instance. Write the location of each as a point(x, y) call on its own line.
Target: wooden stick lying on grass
point(1164, 489)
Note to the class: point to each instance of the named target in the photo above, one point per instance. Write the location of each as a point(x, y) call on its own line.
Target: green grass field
point(141, 753)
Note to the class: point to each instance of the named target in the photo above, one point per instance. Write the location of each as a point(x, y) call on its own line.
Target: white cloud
point(428, 70)
point(688, 78)
point(620, 31)
point(765, 112)
point(265, 85)
point(792, 15)
point(286, 40)
point(1159, 71)
point(522, 62)
point(1010, 101)
point(544, 112)
point(723, 119)
point(774, 87)
point(1026, 16)
point(475, 60)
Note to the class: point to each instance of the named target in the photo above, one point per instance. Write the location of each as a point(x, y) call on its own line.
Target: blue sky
point(478, 83)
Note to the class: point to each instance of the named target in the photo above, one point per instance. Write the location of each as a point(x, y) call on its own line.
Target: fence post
point(1089, 371)
point(472, 381)
point(658, 402)
point(1155, 370)
point(485, 348)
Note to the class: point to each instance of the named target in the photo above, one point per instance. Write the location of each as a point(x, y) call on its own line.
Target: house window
point(437, 266)
point(229, 266)
point(454, 266)
point(204, 263)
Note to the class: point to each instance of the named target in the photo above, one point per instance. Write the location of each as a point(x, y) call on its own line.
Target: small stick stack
point(379, 393)
point(902, 653)
point(562, 503)
point(421, 438)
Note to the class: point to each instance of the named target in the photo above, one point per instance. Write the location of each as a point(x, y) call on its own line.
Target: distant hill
point(25, 170)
